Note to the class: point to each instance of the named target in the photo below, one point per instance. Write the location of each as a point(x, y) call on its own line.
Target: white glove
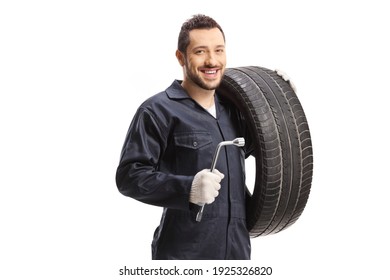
point(205, 186)
point(286, 78)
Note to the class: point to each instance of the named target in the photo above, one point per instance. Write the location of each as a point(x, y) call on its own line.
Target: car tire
point(282, 147)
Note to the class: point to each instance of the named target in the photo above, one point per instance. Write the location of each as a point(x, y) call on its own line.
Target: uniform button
point(195, 144)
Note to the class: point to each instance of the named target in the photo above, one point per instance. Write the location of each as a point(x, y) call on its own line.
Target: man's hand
point(205, 187)
point(286, 78)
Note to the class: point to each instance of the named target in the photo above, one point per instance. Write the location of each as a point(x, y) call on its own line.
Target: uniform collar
point(176, 91)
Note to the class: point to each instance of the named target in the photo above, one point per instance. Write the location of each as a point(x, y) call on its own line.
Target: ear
point(180, 57)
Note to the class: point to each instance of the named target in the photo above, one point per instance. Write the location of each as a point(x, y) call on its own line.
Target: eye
point(199, 52)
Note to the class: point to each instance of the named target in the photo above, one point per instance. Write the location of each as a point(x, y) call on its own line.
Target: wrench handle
point(200, 214)
point(213, 163)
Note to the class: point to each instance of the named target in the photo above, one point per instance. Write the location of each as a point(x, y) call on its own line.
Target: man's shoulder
point(155, 99)
point(166, 97)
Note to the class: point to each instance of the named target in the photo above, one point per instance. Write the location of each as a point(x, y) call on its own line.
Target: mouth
point(210, 73)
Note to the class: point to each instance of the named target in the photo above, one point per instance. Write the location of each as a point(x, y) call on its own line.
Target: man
point(168, 150)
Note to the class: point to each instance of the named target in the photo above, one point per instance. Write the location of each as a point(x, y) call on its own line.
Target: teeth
point(210, 71)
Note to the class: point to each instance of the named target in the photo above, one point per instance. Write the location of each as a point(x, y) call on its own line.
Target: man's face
point(205, 58)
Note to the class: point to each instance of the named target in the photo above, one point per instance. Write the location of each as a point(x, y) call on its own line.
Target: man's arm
point(138, 176)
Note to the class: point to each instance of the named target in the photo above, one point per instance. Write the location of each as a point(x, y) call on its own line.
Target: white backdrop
point(72, 74)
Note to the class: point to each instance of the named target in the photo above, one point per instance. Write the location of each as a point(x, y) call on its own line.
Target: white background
point(72, 74)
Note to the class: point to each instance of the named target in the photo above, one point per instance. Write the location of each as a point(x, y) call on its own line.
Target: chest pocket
point(193, 152)
point(192, 140)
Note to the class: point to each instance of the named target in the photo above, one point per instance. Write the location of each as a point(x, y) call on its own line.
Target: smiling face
point(204, 61)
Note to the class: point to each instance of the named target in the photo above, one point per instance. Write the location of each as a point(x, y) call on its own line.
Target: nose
point(210, 59)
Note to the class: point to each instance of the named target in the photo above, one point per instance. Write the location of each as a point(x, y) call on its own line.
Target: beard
point(196, 79)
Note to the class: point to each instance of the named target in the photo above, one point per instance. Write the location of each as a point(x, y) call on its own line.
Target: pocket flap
point(192, 140)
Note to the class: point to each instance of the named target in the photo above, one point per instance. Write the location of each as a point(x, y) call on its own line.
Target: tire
point(282, 143)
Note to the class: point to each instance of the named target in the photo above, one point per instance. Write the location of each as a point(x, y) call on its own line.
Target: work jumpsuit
point(170, 139)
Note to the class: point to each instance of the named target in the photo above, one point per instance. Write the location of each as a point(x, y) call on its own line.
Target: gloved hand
point(286, 78)
point(205, 186)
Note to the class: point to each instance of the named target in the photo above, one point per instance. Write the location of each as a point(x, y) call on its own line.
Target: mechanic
point(168, 150)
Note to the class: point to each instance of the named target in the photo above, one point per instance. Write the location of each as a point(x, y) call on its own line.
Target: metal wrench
point(238, 142)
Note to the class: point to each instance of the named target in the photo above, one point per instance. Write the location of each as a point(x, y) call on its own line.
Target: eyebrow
point(206, 47)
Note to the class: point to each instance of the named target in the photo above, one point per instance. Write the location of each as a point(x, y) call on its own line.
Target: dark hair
point(196, 22)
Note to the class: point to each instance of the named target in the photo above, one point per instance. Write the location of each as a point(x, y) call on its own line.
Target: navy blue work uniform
point(170, 139)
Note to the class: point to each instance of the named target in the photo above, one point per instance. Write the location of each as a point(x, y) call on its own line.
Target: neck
point(203, 97)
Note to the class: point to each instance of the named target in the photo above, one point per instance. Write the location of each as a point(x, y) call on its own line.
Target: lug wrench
point(238, 142)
